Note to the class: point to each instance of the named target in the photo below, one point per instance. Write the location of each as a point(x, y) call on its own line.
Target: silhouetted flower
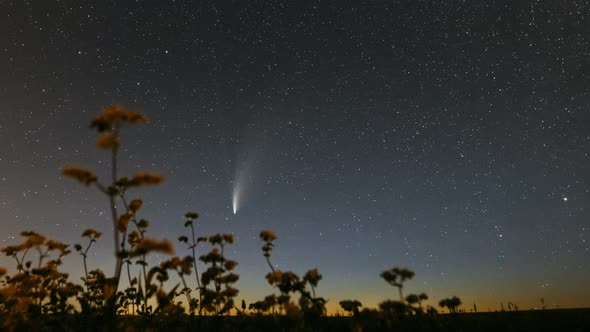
point(186, 265)
point(141, 179)
point(211, 273)
point(451, 303)
point(231, 291)
point(85, 176)
point(230, 265)
point(268, 235)
point(313, 277)
point(412, 299)
point(228, 238)
point(191, 215)
point(396, 277)
point(215, 239)
point(146, 245)
point(33, 239)
point(11, 250)
point(286, 281)
point(91, 233)
point(170, 264)
point(135, 205)
point(351, 306)
point(212, 257)
point(112, 115)
point(182, 266)
point(53, 245)
point(143, 223)
point(274, 277)
point(133, 117)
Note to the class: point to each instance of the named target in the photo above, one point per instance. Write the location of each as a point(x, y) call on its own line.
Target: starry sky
point(450, 137)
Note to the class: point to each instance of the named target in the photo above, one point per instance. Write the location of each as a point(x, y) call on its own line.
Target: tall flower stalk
point(108, 124)
point(194, 242)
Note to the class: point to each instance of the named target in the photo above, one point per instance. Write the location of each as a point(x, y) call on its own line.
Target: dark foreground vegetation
point(566, 320)
point(203, 294)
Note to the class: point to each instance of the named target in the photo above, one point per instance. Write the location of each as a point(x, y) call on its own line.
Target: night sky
point(449, 137)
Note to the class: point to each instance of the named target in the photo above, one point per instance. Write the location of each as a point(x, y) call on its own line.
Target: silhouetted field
point(525, 320)
point(529, 320)
point(37, 296)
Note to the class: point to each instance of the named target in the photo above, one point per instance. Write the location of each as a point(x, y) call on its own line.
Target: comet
point(244, 178)
point(240, 183)
point(235, 201)
point(247, 165)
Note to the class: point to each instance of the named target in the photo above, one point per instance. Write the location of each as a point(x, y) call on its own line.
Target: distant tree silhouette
point(450, 303)
point(416, 299)
point(422, 297)
point(396, 277)
point(351, 306)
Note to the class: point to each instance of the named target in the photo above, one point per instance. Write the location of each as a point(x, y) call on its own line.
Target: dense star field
point(452, 138)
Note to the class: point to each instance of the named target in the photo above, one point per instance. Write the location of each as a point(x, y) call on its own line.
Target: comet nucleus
point(235, 201)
